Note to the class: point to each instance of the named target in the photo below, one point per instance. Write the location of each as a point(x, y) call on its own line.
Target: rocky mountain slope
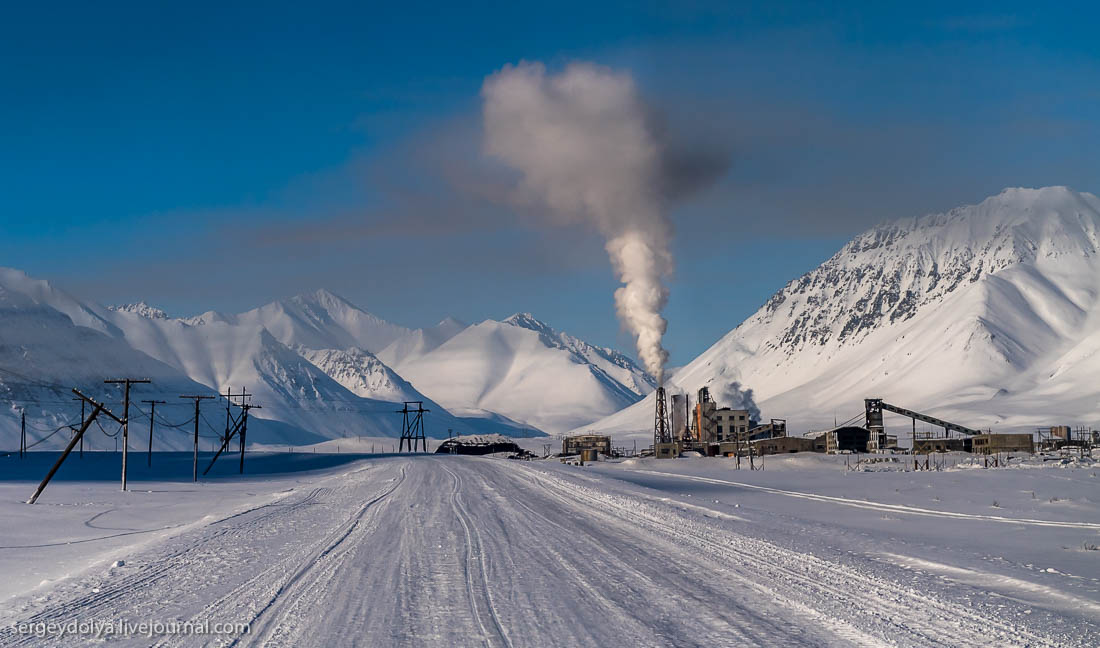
point(987, 314)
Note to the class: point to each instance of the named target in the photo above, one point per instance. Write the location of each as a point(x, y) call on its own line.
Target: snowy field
point(333, 549)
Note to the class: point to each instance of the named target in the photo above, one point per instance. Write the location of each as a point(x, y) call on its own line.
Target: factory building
point(578, 443)
point(847, 439)
point(776, 428)
point(732, 424)
point(994, 443)
point(668, 450)
point(927, 445)
point(706, 418)
point(782, 445)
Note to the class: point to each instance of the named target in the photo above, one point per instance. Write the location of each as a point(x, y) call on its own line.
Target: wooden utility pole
point(126, 417)
point(97, 408)
point(82, 423)
point(152, 415)
point(195, 461)
point(234, 425)
point(244, 429)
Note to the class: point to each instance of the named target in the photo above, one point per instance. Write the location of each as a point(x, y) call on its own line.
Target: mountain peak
point(140, 308)
point(321, 297)
point(450, 322)
point(529, 321)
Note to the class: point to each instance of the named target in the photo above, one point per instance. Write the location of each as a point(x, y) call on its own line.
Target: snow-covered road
point(455, 551)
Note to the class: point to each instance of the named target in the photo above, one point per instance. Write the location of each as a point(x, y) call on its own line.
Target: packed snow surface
point(440, 550)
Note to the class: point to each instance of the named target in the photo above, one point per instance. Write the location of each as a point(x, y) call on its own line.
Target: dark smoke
point(735, 396)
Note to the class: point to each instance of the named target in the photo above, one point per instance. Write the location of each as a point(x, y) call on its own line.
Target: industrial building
point(774, 429)
point(713, 431)
point(995, 443)
point(578, 443)
point(1061, 437)
point(669, 450)
point(782, 445)
point(732, 424)
point(846, 439)
point(925, 445)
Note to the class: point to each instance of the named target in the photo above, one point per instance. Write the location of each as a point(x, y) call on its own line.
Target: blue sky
point(221, 155)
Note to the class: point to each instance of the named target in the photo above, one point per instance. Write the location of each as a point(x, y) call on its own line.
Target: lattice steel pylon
point(662, 432)
point(412, 427)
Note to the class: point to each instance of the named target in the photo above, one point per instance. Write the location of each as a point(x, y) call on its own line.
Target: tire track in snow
point(743, 625)
point(295, 581)
point(877, 506)
point(909, 613)
point(475, 553)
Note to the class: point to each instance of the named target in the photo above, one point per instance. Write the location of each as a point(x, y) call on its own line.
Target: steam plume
point(738, 397)
point(583, 145)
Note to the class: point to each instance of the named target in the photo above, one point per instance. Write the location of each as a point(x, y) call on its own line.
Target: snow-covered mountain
point(988, 314)
point(527, 371)
point(140, 308)
point(361, 373)
point(319, 320)
point(44, 354)
point(420, 341)
point(51, 341)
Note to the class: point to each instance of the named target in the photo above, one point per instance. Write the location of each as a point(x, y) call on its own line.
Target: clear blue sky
point(221, 155)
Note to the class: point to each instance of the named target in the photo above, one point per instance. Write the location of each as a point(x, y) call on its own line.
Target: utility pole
point(126, 417)
point(195, 461)
point(81, 423)
point(152, 415)
point(98, 407)
point(238, 425)
point(244, 429)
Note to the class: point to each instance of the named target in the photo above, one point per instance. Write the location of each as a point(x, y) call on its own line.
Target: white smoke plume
point(584, 146)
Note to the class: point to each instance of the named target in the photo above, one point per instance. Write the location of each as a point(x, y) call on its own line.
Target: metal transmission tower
point(412, 427)
point(662, 431)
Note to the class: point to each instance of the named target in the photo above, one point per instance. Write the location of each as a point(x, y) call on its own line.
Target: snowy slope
point(420, 341)
point(43, 353)
point(988, 314)
point(319, 320)
point(525, 370)
point(361, 373)
point(350, 392)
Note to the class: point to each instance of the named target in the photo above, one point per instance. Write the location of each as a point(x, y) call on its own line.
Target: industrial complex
point(703, 426)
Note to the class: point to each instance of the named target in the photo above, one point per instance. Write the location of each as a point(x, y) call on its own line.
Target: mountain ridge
point(993, 291)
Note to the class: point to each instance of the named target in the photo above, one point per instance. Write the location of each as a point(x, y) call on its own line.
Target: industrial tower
point(662, 433)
